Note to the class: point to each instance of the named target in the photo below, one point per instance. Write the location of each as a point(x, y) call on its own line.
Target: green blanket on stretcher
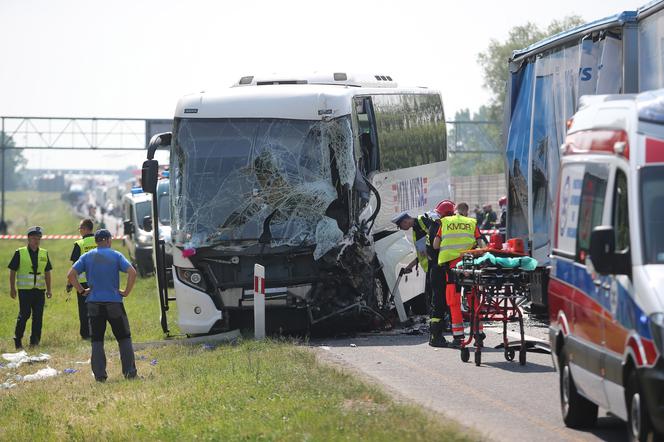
point(523, 262)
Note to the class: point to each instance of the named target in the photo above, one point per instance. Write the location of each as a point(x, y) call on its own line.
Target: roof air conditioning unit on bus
point(335, 78)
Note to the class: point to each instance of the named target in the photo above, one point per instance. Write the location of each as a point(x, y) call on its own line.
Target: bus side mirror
point(603, 253)
point(150, 172)
point(147, 223)
point(149, 176)
point(127, 227)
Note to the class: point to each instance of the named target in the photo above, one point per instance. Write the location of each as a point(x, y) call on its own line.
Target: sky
point(129, 58)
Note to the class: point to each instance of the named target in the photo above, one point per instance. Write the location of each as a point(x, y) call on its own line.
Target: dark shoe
point(18, 344)
point(34, 344)
point(130, 375)
point(438, 343)
point(436, 338)
point(456, 342)
point(100, 379)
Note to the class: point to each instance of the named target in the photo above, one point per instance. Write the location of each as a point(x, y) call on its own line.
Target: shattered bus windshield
point(243, 181)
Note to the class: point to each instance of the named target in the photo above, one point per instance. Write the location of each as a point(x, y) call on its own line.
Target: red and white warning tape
point(48, 237)
point(489, 232)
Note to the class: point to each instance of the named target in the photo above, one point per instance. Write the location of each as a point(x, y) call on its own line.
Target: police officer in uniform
point(83, 245)
point(30, 272)
point(424, 228)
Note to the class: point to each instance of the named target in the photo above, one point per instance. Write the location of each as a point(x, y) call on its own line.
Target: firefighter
point(457, 234)
point(81, 246)
point(30, 271)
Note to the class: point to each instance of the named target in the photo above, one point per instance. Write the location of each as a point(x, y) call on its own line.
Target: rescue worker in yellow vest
point(457, 234)
point(30, 272)
point(81, 246)
point(420, 226)
point(424, 228)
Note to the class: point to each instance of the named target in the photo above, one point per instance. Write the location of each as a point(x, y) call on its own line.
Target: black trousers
point(84, 328)
point(31, 303)
point(99, 313)
point(437, 283)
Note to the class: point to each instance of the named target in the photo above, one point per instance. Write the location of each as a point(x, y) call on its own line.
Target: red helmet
point(445, 208)
point(502, 201)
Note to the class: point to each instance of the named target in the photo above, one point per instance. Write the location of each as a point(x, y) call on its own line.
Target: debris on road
point(353, 345)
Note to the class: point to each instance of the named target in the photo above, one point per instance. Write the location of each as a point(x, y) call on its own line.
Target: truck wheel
point(638, 423)
point(578, 412)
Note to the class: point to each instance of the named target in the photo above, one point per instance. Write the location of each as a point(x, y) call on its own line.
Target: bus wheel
point(578, 412)
point(638, 423)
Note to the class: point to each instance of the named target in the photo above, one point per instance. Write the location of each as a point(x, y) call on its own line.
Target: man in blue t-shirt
point(104, 301)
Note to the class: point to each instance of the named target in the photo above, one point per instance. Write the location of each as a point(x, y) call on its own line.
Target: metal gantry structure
point(72, 133)
point(133, 134)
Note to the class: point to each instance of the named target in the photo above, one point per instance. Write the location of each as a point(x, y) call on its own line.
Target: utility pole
point(3, 223)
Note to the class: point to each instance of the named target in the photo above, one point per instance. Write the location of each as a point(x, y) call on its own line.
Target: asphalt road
point(501, 400)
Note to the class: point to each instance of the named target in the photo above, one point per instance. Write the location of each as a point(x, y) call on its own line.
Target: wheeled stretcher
point(496, 285)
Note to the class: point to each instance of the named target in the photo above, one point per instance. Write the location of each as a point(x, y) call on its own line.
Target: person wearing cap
point(420, 227)
point(434, 289)
point(456, 235)
point(102, 267)
point(30, 272)
point(81, 246)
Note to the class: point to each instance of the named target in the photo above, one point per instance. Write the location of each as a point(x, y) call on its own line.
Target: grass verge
point(272, 390)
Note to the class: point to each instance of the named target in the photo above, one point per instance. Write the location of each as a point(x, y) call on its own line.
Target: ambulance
point(606, 292)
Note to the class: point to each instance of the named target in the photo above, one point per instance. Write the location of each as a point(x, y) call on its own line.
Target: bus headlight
point(657, 328)
point(191, 277)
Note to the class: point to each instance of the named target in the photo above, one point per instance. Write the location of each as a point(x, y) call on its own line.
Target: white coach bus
point(301, 175)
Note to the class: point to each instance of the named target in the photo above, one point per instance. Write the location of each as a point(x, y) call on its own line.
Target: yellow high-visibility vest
point(457, 235)
point(422, 257)
point(26, 278)
point(85, 245)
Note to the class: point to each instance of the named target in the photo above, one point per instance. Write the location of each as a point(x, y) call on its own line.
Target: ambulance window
point(593, 192)
point(620, 212)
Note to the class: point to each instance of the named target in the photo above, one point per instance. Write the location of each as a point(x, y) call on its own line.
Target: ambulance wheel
point(465, 354)
point(522, 356)
point(478, 358)
point(578, 412)
point(509, 354)
point(638, 424)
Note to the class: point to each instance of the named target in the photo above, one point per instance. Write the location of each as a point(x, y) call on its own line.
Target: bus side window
point(621, 213)
point(593, 193)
